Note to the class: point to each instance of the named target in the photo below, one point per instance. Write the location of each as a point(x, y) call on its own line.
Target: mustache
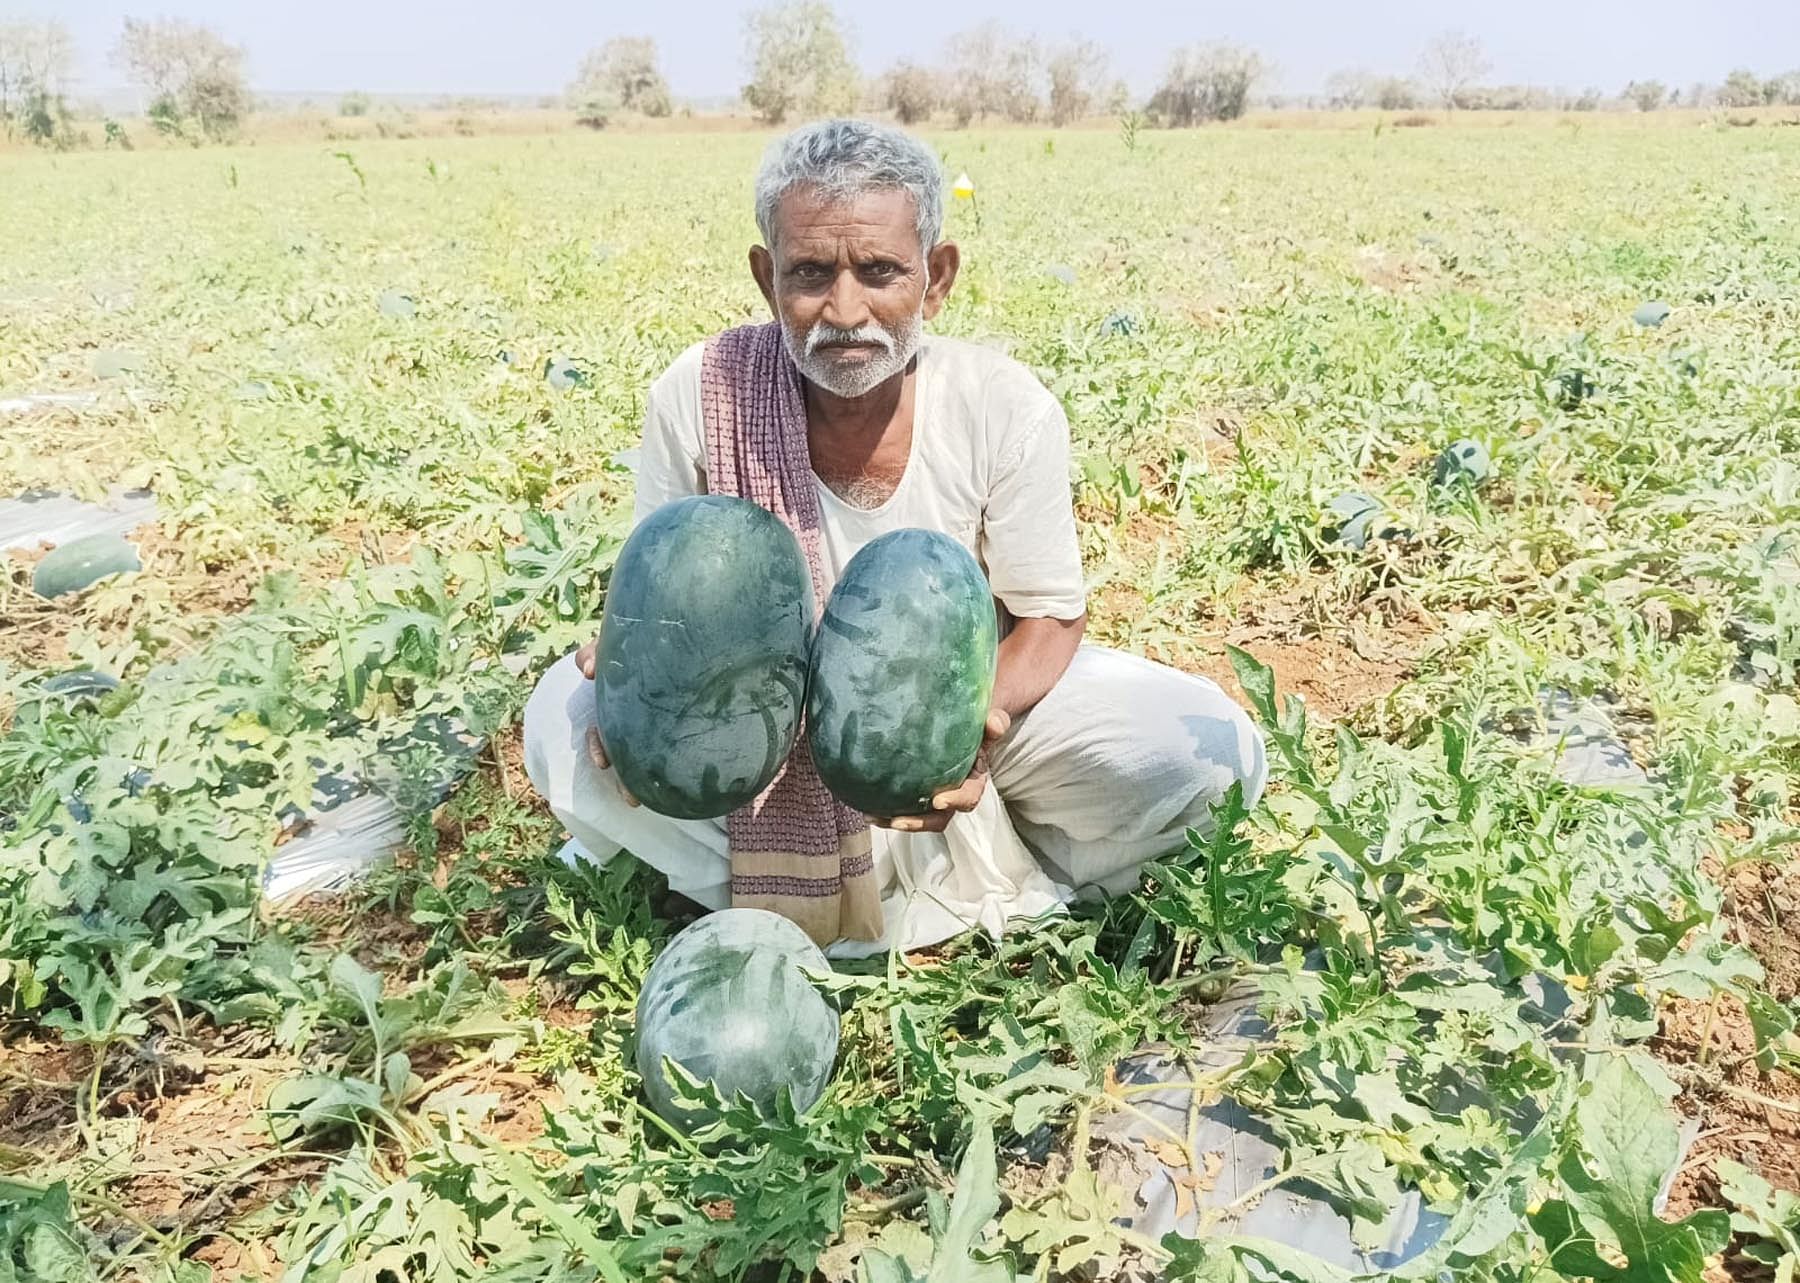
point(824, 333)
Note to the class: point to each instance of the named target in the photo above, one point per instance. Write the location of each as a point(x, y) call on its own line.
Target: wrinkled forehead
point(873, 219)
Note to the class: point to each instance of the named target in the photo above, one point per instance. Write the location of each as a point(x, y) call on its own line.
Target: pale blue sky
point(532, 46)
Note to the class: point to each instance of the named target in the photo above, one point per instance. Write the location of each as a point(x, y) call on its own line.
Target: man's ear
point(943, 262)
point(762, 267)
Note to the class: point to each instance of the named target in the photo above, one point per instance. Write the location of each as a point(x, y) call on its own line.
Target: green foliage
point(1460, 955)
point(40, 1240)
point(1627, 1144)
point(1767, 1218)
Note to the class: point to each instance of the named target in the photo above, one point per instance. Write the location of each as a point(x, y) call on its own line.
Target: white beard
point(859, 379)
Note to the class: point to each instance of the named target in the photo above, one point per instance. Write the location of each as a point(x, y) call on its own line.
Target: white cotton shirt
point(989, 467)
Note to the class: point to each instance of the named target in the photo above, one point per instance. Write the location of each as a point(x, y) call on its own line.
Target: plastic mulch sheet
point(50, 517)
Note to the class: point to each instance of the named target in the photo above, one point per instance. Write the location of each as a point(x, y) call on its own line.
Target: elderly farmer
point(1100, 759)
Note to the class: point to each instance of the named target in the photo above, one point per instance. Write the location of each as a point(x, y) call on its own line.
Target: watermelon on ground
point(563, 374)
point(1463, 461)
point(1348, 518)
point(1119, 324)
point(902, 673)
point(729, 1002)
point(79, 685)
point(1573, 387)
point(700, 672)
point(81, 563)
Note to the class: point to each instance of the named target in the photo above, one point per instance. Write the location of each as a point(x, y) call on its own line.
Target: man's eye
point(809, 272)
point(880, 271)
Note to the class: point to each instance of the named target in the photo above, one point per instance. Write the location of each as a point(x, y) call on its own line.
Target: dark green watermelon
point(701, 667)
point(81, 563)
point(902, 673)
point(1465, 461)
point(1348, 519)
point(1574, 388)
point(82, 685)
point(728, 1002)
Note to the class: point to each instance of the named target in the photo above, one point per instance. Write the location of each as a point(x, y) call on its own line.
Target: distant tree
point(1784, 89)
point(990, 71)
point(1648, 95)
point(192, 74)
point(1741, 89)
point(1206, 82)
point(911, 92)
point(355, 103)
point(1350, 89)
point(800, 61)
point(1451, 62)
point(622, 73)
point(1078, 81)
point(1589, 100)
point(1396, 93)
point(35, 60)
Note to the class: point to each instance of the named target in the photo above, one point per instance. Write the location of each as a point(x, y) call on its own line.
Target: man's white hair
point(842, 159)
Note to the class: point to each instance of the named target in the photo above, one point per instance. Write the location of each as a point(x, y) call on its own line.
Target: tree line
point(799, 62)
point(195, 79)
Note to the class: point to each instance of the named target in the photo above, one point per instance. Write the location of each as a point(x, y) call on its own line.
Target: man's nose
point(847, 306)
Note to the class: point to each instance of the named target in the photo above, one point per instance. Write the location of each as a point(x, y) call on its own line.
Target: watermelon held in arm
point(700, 671)
point(81, 563)
point(728, 1001)
point(902, 673)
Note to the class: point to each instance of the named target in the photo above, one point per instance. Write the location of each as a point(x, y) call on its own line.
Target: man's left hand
point(964, 797)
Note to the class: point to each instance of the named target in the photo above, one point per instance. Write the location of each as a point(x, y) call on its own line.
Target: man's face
point(851, 286)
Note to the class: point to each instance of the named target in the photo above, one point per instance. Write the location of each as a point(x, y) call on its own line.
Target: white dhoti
point(1109, 770)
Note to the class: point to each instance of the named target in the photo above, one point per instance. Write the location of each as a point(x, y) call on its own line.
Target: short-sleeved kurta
point(989, 467)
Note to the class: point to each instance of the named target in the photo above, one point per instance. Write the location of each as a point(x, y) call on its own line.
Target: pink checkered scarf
point(795, 850)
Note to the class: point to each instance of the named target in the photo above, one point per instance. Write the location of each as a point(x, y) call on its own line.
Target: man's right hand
point(584, 660)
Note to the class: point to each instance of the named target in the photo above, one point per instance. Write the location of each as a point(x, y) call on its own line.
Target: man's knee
point(1192, 750)
point(1217, 746)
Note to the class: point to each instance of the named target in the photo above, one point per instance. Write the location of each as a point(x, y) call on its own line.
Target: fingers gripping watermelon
point(700, 671)
point(902, 673)
point(728, 1002)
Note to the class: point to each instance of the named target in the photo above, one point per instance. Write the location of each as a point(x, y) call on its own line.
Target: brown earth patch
point(1393, 273)
point(1338, 660)
point(194, 1155)
point(179, 1119)
point(1747, 1114)
point(178, 600)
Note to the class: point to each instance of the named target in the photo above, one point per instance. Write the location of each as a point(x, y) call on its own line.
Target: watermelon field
point(1516, 917)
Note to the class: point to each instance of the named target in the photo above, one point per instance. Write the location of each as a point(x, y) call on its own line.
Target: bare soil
point(1745, 1113)
point(1338, 661)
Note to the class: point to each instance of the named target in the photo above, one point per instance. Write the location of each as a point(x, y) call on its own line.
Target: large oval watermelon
point(81, 563)
point(728, 1002)
point(902, 673)
point(700, 670)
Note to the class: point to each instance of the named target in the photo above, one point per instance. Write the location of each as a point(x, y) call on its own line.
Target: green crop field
point(1499, 981)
